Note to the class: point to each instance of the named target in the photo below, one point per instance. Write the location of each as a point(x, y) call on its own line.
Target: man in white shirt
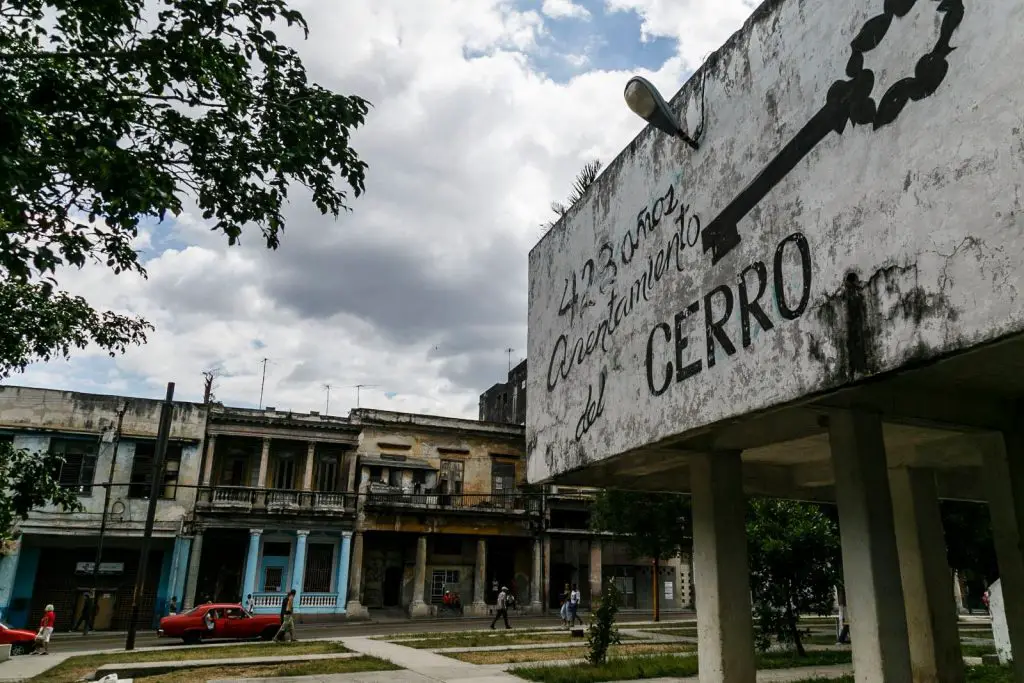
point(574, 605)
point(501, 608)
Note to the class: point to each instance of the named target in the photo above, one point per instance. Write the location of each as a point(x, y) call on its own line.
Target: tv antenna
point(359, 388)
point(509, 351)
point(327, 408)
point(263, 381)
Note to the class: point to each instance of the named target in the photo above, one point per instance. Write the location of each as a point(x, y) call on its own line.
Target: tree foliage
point(30, 481)
point(602, 634)
point(794, 557)
point(119, 111)
point(584, 179)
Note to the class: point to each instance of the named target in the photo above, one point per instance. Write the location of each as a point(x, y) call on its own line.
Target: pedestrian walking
point(563, 610)
point(250, 604)
point(287, 622)
point(172, 606)
point(45, 631)
point(502, 608)
point(85, 617)
point(574, 606)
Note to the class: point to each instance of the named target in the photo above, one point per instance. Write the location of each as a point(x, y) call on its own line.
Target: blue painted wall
point(24, 582)
point(163, 589)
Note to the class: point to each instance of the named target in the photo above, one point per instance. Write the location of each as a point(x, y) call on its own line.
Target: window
point(326, 472)
point(503, 477)
point(451, 476)
point(442, 580)
point(394, 477)
point(142, 470)
point(319, 566)
point(79, 468)
point(272, 579)
point(284, 471)
point(235, 613)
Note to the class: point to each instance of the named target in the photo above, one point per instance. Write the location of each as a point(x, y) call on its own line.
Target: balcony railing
point(320, 600)
point(476, 502)
point(248, 499)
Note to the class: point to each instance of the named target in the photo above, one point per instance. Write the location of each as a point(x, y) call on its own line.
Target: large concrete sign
point(855, 205)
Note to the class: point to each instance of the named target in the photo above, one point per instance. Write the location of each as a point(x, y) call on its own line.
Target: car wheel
point(192, 638)
point(20, 649)
point(268, 633)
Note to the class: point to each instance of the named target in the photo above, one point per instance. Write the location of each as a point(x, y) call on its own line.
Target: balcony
point(510, 502)
point(246, 499)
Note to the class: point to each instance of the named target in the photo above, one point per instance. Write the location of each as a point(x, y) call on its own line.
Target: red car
point(218, 621)
point(22, 642)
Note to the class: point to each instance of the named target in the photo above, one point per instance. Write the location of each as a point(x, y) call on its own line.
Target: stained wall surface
point(855, 206)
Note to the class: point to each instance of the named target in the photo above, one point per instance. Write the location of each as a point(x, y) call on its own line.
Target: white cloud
point(563, 9)
point(422, 287)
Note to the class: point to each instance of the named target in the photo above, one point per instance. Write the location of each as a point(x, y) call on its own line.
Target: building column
point(251, 564)
point(299, 570)
point(179, 567)
point(1004, 482)
point(535, 579)
point(479, 606)
point(8, 572)
point(261, 479)
point(354, 609)
point(307, 474)
point(871, 566)
point(725, 640)
point(190, 599)
point(595, 572)
point(419, 608)
point(935, 655)
point(341, 583)
point(211, 447)
point(546, 590)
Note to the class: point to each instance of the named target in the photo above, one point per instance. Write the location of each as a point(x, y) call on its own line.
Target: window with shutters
point(79, 468)
point(142, 470)
point(503, 477)
point(326, 472)
point(319, 566)
point(451, 476)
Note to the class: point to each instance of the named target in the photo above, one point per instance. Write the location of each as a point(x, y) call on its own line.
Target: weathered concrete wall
point(855, 205)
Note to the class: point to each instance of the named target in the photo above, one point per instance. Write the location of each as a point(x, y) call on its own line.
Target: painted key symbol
point(847, 101)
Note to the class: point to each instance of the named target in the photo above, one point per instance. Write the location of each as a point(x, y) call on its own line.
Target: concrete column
point(935, 655)
point(341, 584)
point(595, 572)
point(871, 567)
point(299, 570)
point(546, 588)
point(354, 609)
point(307, 474)
point(419, 608)
point(251, 564)
point(261, 479)
point(8, 572)
point(190, 599)
point(479, 605)
point(1004, 482)
point(535, 580)
point(179, 567)
point(725, 640)
point(958, 595)
point(211, 447)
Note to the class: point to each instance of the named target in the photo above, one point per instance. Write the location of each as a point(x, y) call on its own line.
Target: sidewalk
point(23, 667)
point(427, 664)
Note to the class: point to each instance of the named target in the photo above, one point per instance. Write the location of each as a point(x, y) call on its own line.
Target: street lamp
point(647, 103)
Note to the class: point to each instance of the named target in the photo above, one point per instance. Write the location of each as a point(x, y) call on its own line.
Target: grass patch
point(975, 674)
point(665, 666)
point(75, 668)
point(313, 668)
point(685, 631)
point(977, 650)
point(492, 639)
point(557, 654)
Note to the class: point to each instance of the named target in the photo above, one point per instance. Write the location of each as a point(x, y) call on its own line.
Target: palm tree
point(584, 179)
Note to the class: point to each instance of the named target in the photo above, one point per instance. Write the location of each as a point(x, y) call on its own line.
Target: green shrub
point(602, 633)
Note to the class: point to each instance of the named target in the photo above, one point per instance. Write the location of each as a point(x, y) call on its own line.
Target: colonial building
point(506, 401)
point(108, 442)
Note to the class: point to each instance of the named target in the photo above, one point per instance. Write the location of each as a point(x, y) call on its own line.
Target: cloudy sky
point(483, 112)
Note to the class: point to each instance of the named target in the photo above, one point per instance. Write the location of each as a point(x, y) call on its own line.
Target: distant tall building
point(506, 401)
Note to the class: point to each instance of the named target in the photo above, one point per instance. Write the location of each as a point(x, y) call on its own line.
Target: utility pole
point(263, 381)
point(162, 436)
point(103, 518)
point(327, 408)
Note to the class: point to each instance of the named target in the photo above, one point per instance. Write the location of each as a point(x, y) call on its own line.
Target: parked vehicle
point(21, 641)
point(218, 622)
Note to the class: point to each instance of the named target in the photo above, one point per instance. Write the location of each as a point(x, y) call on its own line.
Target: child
point(45, 631)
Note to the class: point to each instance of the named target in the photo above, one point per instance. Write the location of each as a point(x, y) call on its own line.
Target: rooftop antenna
point(360, 387)
point(509, 351)
point(264, 380)
point(327, 408)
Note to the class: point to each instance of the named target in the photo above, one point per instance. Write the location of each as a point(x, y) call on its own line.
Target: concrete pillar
point(307, 474)
point(190, 599)
point(935, 655)
point(261, 478)
point(211, 447)
point(1004, 483)
point(871, 567)
point(341, 584)
point(299, 570)
point(595, 571)
point(179, 569)
point(479, 605)
point(958, 594)
point(8, 572)
point(546, 589)
point(252, 560)
point(418, 607)
point(354, 609)
point(535, 580)
point(725, 640)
